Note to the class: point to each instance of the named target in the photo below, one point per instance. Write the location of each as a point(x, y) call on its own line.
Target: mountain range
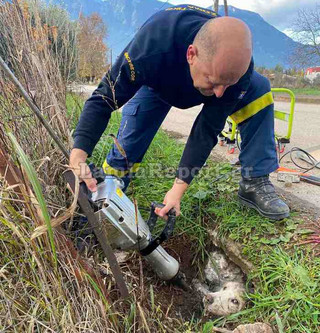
point(124, 17)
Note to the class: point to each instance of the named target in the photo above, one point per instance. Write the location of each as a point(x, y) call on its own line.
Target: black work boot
point(259, 193)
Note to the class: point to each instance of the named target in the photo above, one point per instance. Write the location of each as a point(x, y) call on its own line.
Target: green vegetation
point(306, 91)
point(287, 275)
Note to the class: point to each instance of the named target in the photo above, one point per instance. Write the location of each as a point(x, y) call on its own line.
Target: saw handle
point(153, 218)
point(166, 232)
point(97, 173)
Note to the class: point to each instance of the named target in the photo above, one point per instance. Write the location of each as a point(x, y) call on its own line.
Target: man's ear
point(192, 53)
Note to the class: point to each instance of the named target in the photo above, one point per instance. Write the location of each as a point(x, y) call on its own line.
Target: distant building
point(312, 73)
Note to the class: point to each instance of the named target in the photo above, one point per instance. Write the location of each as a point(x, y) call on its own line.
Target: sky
point(279, 13)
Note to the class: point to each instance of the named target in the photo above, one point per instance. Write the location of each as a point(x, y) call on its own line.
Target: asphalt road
point(306, 125)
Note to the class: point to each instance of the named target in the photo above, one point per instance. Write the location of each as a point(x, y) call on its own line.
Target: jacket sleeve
point(207, 126)
point(115, 89)
point(203, 137)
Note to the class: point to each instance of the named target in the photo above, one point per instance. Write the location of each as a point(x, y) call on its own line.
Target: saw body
point(127, 229)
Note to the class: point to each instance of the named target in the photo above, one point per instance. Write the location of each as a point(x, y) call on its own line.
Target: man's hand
point(78, 164)
point(173, 198)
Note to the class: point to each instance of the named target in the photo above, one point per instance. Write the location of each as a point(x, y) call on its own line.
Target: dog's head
point(228, 300)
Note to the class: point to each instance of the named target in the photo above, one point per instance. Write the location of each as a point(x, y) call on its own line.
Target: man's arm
point(202, 139)
point(139, 64)
point(115, 89)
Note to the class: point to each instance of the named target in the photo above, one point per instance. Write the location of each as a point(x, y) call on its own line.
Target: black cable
point(311, 160)
point(316, 166)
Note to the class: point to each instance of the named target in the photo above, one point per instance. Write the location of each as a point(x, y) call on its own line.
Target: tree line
point(82, 53)
point(77, 45)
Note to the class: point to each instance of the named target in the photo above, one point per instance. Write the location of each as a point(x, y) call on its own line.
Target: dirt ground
point(176, 302)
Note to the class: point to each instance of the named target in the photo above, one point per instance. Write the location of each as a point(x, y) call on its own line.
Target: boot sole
point(250, 204)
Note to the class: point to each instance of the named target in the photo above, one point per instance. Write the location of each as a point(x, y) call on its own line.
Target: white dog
point(228, 300)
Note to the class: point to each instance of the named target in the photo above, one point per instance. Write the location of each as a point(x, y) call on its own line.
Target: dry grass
point(37, 293)
point(44, 286)
point(76, 295)
point(35, 297)
point(28, 44)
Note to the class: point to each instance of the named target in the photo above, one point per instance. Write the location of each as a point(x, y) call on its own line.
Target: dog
point(228, 300)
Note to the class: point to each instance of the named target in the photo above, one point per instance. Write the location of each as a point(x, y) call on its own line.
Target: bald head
point(224, 44)
point(223, 34)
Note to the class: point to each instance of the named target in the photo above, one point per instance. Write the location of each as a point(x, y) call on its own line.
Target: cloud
point(282, 13)
point(279, 13)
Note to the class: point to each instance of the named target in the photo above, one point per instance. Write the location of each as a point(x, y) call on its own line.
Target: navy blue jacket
point(156, 57)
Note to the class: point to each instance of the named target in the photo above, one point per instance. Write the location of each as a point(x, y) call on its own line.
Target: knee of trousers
point(119, 171)
point(259, 97)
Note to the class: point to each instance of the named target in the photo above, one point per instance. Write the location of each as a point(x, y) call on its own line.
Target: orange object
point(283, 169)
point(306, 177)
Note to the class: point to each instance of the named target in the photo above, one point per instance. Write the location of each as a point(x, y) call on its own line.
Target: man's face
point(209, 77)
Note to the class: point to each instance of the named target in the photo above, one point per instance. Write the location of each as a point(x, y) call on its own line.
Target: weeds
point(285, 296)
point(28, 44)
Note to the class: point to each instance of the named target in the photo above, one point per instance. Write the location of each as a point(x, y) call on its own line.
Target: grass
point(34, 295)
point(288, 275)
point(306, 91)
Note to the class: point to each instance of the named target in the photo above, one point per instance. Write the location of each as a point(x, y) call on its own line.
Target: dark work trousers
point(144, 113)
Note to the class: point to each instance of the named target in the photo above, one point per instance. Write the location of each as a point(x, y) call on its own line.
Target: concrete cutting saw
point(127, 230)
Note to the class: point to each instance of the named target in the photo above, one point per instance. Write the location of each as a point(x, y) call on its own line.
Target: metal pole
point(34, 108)
point(226, 8)
point(216, 6)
